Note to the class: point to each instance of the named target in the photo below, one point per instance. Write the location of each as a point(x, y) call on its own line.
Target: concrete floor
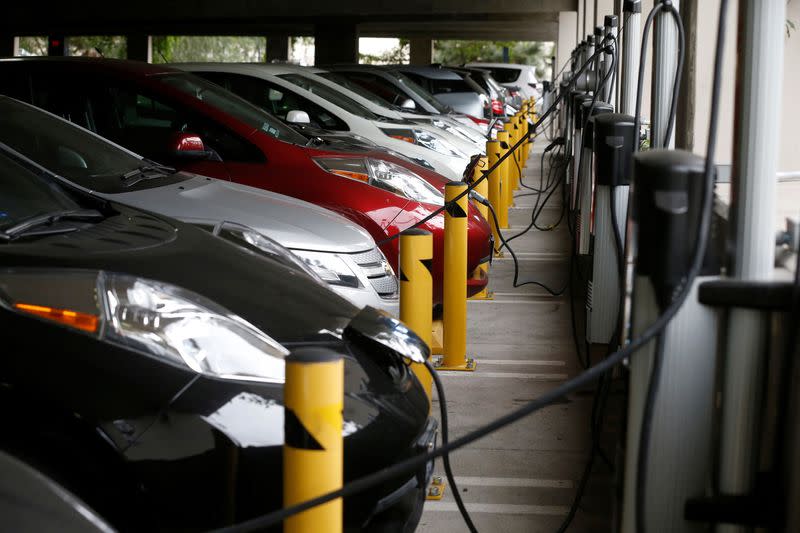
point(522, 479)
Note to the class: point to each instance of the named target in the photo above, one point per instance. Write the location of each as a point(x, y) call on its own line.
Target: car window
point(229, 103)
point(504, 74)
point(330, 95)
point(275, 99)
point(356, 88)
point(25, 194)
point(420, 92)
point(383, 88)
point(146, 123)
point(63, 148)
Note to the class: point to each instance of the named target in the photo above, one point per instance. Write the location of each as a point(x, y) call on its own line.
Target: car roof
point(516, 66)
point(139, 68)
point(434, 73)
point(264, 68)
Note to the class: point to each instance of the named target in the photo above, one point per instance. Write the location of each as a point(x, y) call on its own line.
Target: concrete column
point(57, 45)
point(421, 51)
point(277, 47)
point(9, 45)
point(789, 154)
point(581, 31)
point(335, 43)
point(140, 47)
point(665, 61)
point(567, 28)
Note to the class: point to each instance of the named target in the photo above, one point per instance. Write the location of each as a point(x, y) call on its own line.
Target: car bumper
point(363, 297)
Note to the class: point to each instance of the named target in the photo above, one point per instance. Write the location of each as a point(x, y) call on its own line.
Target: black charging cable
point(662, 4)
point(530, 135)
point(556, 393)
point(445, 439)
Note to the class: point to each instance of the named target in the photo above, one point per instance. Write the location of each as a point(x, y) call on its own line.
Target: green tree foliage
point(222, 48)
point(534, 53)
point(397, 55)
point(33, 46)
point(114, 46)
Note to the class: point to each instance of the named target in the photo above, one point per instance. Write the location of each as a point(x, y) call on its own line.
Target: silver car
point(448, 87)
point(328, 246)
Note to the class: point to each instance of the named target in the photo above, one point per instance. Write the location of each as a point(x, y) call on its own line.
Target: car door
point(275, 99)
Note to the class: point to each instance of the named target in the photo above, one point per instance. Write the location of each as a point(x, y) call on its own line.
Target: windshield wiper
point(24, 226)
point(149, 171)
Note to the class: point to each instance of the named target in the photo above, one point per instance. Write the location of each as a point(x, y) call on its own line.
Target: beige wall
point(790, 137)
point(707, 17)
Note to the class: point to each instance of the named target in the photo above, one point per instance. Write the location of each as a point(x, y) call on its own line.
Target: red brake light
point(497, 107)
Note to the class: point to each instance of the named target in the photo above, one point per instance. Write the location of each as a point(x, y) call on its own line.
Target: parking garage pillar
point(9, 45)
point(140, 47)
point(277, 47)
point(567, 27)
point(57, 45)
point(335, 43)
point(421, 51)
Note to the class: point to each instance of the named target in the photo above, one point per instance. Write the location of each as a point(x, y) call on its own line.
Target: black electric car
point(142, 365)
point(30, 502)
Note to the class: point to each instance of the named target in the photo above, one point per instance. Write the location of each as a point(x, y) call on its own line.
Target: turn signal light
point(74, 319)
point(352, 175)
point(403, 138)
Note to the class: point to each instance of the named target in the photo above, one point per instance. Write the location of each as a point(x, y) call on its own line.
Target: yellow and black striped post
point(313, 451)
point(523, 125)
point(416, 291)
point(494, 150)
point(454, 312)
point(506, 193)
point(482, 188)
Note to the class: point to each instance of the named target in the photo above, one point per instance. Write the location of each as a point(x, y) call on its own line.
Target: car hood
point(293, 223)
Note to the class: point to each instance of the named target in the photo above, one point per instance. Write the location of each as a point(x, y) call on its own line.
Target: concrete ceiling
point(455, 19)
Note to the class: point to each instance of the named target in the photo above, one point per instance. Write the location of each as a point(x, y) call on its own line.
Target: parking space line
point(522, 482)
point(506, 375)
point(549, 300)
point(520, 362)
point(499, 508)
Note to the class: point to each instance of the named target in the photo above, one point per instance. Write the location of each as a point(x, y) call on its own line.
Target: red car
point(186, 122)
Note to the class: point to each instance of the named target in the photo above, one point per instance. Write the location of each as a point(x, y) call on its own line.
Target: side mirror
point(187, 145)
point(408, 103)
point(298, 117)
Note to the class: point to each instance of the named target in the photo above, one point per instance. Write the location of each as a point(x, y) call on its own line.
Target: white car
point(513, 75)
point(274, 88)
point(452, 129)
point(394, 86)
point(331, 248)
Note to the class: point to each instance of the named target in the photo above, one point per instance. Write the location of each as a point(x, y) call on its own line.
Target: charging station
point(614, 143)
point(666, 209)
point(588, 111)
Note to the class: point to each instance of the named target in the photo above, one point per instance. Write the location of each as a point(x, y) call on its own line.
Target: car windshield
point(64, 148)
point(503, 74)
point(419, 91)
point(356, 88)
point(229, 103)
point(25, 194)
point(331, 95)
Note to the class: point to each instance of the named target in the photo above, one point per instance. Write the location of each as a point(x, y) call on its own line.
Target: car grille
point(378, 271)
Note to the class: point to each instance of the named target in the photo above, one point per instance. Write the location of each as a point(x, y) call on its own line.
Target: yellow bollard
point(313, 451)
point(506, 194)
point(482, 188)
point(455, 276)
point(513, 160)
point(524, 128)
point(494, 150)
point(416, 292)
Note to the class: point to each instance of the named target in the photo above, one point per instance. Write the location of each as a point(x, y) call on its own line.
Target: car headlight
point(258, 243)
point(161, 320)
point(330, 268)
point(425, 139)
point(384, 175)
